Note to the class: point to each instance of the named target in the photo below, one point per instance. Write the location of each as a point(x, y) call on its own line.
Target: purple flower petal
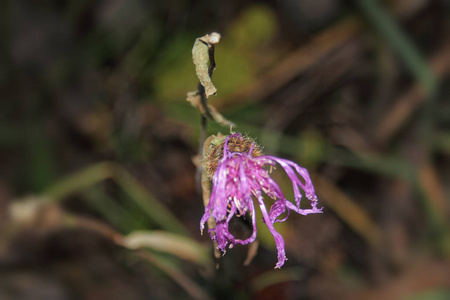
point(277, 209)
point(238, 177)
point(279, 241)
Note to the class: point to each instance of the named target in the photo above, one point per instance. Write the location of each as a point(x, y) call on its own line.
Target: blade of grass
point(178, 245)
point(184, 281)
point(155, 210)
point(113, 212)
point(41, 165)
point(412, 58)
point(97, 173)
point(173, 272)
point(349, 211)
point(79, 181)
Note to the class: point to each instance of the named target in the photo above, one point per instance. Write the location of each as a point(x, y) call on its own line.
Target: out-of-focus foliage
point(98, 190)
point(240, 57)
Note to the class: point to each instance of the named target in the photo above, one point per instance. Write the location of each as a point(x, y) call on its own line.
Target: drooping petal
point(304, 212)
point(308, 187)
point(245, 192)
point(205, 218)
point(221, 233)
point(279, 241)
point(274, 189)
point(277, 209)
point(218, 194)
point(206, 215)
point(293, 177)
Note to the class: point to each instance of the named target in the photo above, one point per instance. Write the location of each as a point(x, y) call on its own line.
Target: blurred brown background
point(98, 196)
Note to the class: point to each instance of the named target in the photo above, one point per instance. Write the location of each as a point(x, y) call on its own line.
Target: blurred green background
point(98, 194)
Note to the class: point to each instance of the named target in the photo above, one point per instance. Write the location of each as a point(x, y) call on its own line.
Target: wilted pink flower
point(238, 177)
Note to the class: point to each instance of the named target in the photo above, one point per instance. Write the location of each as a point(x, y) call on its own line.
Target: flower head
point(238, 177)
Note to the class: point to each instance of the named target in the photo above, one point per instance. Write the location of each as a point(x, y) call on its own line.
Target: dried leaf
point(219, 118)
point(178, 245)
point(203, 57)
point(211, 112)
